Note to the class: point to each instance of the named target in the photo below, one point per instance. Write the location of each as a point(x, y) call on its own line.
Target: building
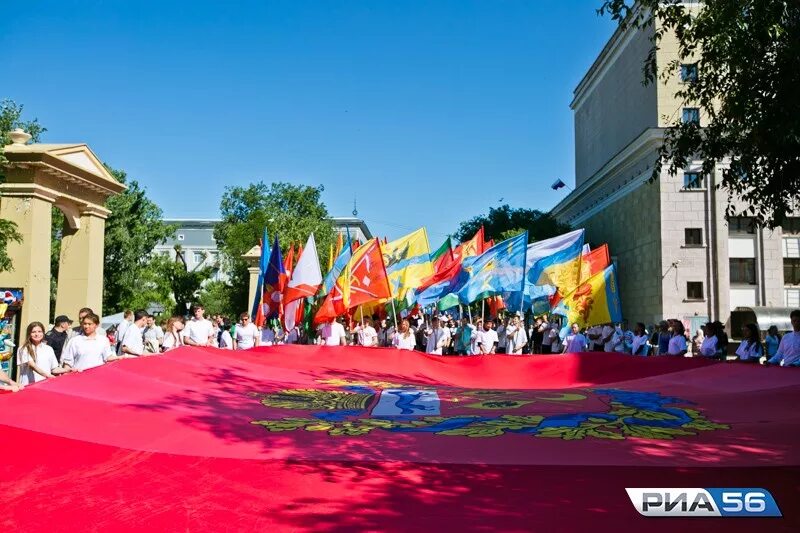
point(676, 255)
point(196, 239)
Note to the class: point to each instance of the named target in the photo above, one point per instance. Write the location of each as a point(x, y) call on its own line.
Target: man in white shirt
point(90, 349)
point(788, 353)
point(122, 327)
point(487, 339)
point(437, 338)
point(153, 335)
point(132, 343)
point(501, 336)
point(593, 335)
point(247, 335)
point(547, 340)
point(367, 336)
point(332, 334)
point(575, 341)
point(198, 331)
point(606, 338)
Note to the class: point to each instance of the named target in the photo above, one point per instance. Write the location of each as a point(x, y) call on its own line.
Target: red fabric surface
point(168, 442)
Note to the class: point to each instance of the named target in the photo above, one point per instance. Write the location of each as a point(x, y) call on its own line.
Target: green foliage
point(181, 284)
point(133, 229)
point(215, 297)
point(504, 222)
point(748, 62)
point(290, 211)
point(10, 119)
point(8, 233)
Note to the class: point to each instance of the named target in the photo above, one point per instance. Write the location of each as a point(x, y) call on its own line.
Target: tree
point(10, 119)
point(504, 221)
point(215, 297)
point(133, 229)
point(290, 211)
point(181, 284)
point(747, 54)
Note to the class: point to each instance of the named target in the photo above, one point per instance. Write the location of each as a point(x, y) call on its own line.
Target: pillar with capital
point(252, 257)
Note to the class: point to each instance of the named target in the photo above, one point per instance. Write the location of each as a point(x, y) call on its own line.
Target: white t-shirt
point(293, 337)
point(172, 340)
point(267, 336)
point(122, 327)
point(133, 340)
point(677, 344)
point(576, 343)
point(226, 341)
point(749, 350)
point(199, 331)
point(332, 334)
point(487, 340)
point(402, 342)
point(83, 353)
point(788, 351)
point(45, 360)
point(367, 336)
point(638, 342)
point(607, 331)
point(246, 336)
point(436, 341)
point(501, 336)
point(517, 338)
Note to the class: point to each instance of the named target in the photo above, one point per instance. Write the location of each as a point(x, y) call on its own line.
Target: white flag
point(306, 276)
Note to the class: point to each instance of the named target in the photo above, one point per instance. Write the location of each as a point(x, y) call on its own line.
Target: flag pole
point(483, 309)
point(469, 312)
point(522, 289)
point(361, 308)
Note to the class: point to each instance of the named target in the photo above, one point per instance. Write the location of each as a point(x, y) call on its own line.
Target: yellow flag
point(408, 262)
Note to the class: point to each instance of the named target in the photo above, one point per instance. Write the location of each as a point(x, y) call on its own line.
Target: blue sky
point(429, 112)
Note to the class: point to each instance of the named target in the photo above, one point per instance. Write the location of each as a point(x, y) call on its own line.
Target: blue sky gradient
point(429, 112)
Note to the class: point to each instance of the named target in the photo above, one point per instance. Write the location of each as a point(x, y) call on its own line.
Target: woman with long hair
point(404, 339)
point(677, 343)
point(172, 334)
point(36, 360)
point(750, 349)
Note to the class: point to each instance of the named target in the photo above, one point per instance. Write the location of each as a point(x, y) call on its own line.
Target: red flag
point(362, 281)
point(288, 261)
point(496, 303)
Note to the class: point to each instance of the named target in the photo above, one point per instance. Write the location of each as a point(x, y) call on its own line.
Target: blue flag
point(262, 265)
point(498, 270)
point(274, 282)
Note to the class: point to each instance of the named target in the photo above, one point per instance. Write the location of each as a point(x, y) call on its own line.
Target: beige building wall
point(610, 112)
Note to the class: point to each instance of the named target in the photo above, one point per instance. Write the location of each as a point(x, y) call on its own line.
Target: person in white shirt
point(502, 340)
point(575, 341)
point(267, 335)
point(709, 346)
point(332, 334)
point(487, 339)
point(367, 336)
point(173, 335)
point(473, 343)
point(293, 336)
point(199, 331)
point(133, 341)
point(555, 338)
point(789, 349)
point(547, 340)
point(594, 336)
point(122, 327)
point(677, 343)
point(246, 334)
point(516, 337)
point(36, 361)
point(750, 349)
point(153, 335)
point(90, 349)
point(437, 338)
point(404, 338)
point(639, 345)
point(225, 339)
point(606, 336)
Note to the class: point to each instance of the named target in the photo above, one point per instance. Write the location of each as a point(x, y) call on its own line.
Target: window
point(791, 247)
point(791, 298)
point(180, 236)
point(741, 225)
point(694, 290)
point(791, 271)
point(743, 270)
point(694, 237)
point(693, 180)
point(691, 115)
point(689, 72)
point(791, 225)
point(199, 257)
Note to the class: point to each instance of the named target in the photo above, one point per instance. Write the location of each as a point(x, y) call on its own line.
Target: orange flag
point(362, 281)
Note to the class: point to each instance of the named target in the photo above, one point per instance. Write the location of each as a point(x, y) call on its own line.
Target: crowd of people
point(45, 354)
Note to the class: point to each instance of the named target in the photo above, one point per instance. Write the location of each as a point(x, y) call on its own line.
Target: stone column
point(80, 271)
point(253, 271)
point(30, 208)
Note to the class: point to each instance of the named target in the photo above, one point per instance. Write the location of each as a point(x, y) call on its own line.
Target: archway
point(72, 178)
